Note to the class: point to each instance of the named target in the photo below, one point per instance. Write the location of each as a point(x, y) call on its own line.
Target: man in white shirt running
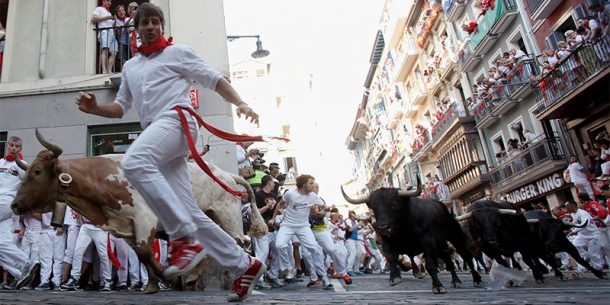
point(156, 82)
point(298, 204)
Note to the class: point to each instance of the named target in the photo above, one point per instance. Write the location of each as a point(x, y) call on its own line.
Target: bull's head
point(40, 187)
point(385, 204)
point(401, 194)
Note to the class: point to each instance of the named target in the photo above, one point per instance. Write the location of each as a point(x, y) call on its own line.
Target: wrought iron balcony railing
point(540, 150)
point(576, 69)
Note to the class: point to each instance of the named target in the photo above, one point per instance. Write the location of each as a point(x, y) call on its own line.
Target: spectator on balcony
point(134, 38)
point(604, 145)
point(530, 138)
point(578, 176)
point(104, 21)
point(122, 32)
point(593, 28)
point(501, 156)
point(574, 39)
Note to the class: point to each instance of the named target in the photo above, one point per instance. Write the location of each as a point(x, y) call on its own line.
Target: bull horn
point(533, 221)
point(52, 147)
point(415, 193)
point(22, 165)
point(354, 201)
point(507, 212)
point(464, 216)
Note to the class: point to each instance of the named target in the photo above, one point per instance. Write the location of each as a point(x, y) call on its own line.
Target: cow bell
point(59, 213)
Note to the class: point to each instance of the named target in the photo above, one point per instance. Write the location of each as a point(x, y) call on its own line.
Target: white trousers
point(12, 259)
point(90, 233)
point(121, 250)
point(325, 240)
point(308, 241)
point(51, 253)
point(72, 236)
point(604, 243)
point(160, 174)
point(354, 254)
point(588, 247)
point(137, 270)
point(30, 244)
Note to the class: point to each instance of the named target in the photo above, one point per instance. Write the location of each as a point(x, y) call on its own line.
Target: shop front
point(550, 190)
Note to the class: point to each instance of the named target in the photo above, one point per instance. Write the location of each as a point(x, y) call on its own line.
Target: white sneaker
point(326, 284)
point(28, 272)
point(107, 286)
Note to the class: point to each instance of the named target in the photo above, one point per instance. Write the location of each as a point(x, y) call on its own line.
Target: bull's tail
point(258, 228)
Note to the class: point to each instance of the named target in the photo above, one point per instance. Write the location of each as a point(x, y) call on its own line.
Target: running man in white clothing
point(154, 82)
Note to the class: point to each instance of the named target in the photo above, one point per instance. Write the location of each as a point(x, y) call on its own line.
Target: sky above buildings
point(330, 39)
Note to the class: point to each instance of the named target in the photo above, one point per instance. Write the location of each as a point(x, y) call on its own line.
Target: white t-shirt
point(103, 12)
point(157, 83)
point(10, 178)
point(298, 206)
point(580, 217)
point(70, 217)
point(576, 175)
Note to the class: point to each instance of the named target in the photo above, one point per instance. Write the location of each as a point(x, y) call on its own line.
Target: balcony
point(583, 68)
point(546, 154)
point(406, 56)
point(421, 140)
point(419, 96)
point(454, 9)
point(492, 24)
point(108, 63)
point(361, 128)
point(447, 120)
point(541, 9)
point(412, 110)
point(468, 60)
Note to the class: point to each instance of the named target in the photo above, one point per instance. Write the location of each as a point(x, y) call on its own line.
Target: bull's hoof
point(540, 281)
point(151, 288)
point(510, 283)
point(420, 275)
point(456, 284)
point(601, 275)
point(478, 284)
point(439, 290)
point(395, 281)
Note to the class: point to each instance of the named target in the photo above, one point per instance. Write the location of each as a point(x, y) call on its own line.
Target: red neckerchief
point(155, 46)
point(107, 8)
point(11, 157)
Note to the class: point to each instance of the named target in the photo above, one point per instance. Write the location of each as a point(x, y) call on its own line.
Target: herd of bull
point(410, 225)
point(405, 223)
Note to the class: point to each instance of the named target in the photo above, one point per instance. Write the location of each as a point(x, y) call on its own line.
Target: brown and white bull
point(96, 188)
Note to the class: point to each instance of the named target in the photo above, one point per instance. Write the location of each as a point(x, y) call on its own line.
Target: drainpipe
point(42, 56)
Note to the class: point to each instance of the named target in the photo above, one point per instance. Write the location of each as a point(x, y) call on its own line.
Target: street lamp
point(260, 52)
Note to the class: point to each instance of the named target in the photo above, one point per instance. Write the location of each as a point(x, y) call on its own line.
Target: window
point(3, 138)
point(516, 130)
point(109, 139)
point(119, 39)
point(557, 34)
point(291, 164)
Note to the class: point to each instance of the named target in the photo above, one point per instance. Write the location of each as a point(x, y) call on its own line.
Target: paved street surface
point(367, 289)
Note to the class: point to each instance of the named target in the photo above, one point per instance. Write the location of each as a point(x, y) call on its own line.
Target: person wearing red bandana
point(104, 21)
point(154, 82)
point(12, 258)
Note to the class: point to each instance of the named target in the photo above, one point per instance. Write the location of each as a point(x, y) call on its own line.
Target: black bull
point(501, 230)
point(550, 238)
point(410, 225)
